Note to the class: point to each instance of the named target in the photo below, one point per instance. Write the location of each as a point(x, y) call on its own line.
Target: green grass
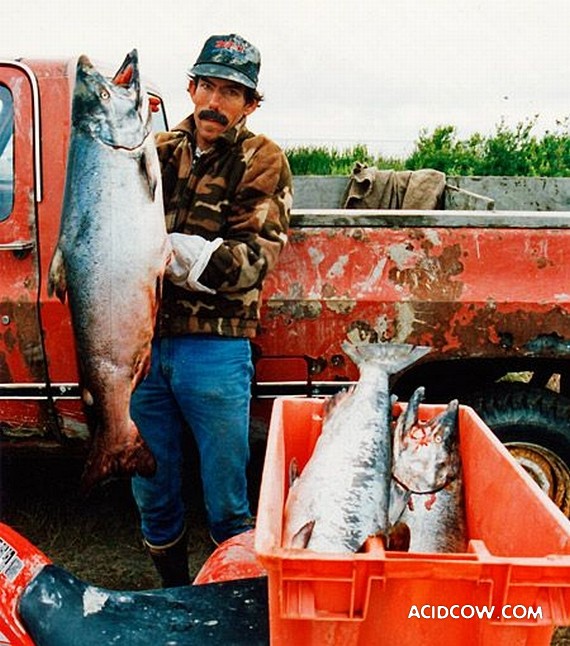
point(321, 160)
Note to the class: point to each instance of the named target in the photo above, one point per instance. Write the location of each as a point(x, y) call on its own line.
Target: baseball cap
point(228, 57)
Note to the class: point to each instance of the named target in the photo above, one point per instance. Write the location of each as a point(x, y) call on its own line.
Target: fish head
point(114, 111)
point(426, 452)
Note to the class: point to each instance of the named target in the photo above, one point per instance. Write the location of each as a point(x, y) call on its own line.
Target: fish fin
point(301, 538)
point(393, 357)
point(399, 498)
point(399, 538)
point(57, 281)
point(294, 471)
point(142, 371)
point(141, 365)
point(373, 545)
point(149, 174)
point(332, 402)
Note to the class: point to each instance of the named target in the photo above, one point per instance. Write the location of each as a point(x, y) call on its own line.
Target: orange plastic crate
point(517, 565)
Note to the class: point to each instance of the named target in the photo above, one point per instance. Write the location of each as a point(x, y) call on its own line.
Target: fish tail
point(128, 457)
point(393, 357)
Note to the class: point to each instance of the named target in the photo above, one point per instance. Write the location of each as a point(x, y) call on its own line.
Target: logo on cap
point(229, 44)
point(228, 57)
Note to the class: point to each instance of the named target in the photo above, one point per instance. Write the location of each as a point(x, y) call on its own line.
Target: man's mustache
point(212, 115)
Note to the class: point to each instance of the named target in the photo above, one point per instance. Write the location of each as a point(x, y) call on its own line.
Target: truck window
point(6, 152)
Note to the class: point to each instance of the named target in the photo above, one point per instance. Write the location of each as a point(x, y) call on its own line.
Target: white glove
point(190, 256)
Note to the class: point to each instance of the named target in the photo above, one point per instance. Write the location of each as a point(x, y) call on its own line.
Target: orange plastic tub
point(511, 586)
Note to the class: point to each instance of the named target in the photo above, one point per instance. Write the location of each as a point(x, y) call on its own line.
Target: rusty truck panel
point(63, 403)
point(20, 348)
point(38, 370)
point(22, 358)
point(468, 291)
point(55, 80)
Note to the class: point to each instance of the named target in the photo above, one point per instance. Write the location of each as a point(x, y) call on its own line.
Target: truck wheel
point(534, 424)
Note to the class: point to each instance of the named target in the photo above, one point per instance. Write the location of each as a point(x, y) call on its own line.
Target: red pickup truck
point(488, 290)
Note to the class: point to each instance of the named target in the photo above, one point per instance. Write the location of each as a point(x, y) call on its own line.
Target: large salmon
point(427, 488)
point(111, 255)
point(342, 495)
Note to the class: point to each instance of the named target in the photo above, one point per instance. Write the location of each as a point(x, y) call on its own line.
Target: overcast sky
point(337, 72)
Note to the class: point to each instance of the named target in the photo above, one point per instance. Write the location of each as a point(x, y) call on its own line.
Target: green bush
point(509, 151)
point(443, 151)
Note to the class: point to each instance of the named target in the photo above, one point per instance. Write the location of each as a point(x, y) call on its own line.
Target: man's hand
point(190, 256)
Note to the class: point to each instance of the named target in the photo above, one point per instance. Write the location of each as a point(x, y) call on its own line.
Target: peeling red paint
point(23, 318)
point(431, 277)
point(463, 291)
point(20, 343)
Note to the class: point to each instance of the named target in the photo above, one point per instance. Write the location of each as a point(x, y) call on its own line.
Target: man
point(227, 197)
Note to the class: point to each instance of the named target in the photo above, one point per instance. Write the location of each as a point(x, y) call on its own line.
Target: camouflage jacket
point(241, 191)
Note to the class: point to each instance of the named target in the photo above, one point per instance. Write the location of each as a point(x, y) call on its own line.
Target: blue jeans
point(202, 382)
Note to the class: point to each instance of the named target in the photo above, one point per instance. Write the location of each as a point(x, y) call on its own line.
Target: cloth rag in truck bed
point(371, 188)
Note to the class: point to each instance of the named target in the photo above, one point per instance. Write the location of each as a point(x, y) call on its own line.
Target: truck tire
point(534, 424)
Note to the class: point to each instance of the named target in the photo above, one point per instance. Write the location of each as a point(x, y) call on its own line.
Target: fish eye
point(104, 94)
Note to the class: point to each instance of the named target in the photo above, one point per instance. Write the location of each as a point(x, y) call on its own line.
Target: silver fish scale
point(351, 510)
point(118, 249)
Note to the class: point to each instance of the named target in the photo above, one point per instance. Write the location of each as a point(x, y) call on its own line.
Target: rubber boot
point(171, 561)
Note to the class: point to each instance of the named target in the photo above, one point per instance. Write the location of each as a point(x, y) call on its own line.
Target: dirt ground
point(98, 538)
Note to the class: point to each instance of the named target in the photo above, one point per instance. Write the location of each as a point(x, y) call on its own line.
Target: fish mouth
point(110, 108)
point(411, 413)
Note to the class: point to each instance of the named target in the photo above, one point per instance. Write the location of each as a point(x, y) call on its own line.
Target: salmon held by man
point(111, 255)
